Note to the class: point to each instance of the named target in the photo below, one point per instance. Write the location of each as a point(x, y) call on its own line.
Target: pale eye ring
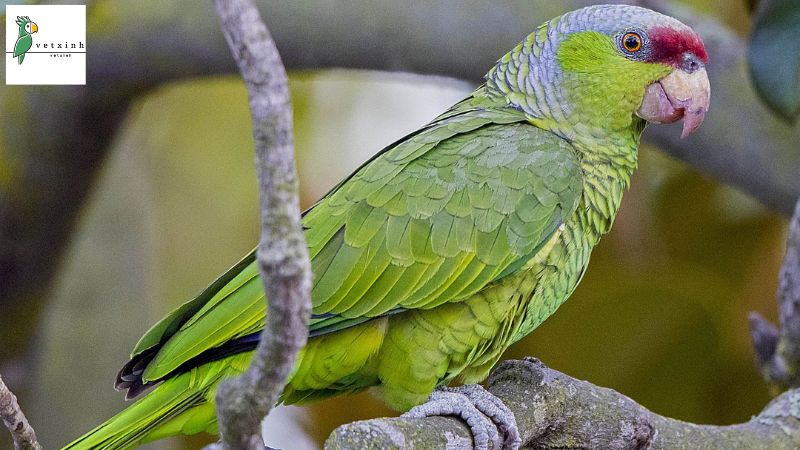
point(631, 42)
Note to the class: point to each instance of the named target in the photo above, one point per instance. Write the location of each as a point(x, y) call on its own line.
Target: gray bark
point(282, 256)
point(13, 418)
point(555, 411)
point(778, 350)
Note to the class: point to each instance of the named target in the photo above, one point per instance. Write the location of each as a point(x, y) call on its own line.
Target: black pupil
point(631, 42)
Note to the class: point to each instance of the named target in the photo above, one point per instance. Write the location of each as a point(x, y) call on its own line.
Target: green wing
point(431, 219)
point(23, 44)
point(438, 218)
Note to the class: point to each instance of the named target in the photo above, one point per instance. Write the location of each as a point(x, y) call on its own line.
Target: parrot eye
point(632, 42)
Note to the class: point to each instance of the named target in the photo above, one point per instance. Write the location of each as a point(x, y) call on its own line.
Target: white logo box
point(58, 52)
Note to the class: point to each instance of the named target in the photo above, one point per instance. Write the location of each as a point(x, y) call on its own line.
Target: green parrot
point(25, 40)
point(448, 245)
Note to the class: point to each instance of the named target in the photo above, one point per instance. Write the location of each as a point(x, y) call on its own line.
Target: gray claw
point(486, 415)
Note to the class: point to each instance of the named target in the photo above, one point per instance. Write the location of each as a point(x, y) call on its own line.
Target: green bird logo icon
point(25, 39)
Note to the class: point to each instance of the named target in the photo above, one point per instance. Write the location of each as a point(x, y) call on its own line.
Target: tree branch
point(21, 431)
point(556, 411)
point(282, 255)
point(778, 351)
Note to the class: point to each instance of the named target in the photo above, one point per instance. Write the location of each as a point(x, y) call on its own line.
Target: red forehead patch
point(669, 45)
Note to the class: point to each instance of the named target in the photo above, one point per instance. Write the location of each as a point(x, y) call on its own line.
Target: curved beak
point(679, 95)
point(34, 27)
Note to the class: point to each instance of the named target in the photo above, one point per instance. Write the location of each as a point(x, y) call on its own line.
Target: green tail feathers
point(173, 407)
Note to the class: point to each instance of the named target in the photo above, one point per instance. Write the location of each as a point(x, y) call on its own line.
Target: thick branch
point(282, 255)
point(554, 410)
point(778, 351)
point(21, 431)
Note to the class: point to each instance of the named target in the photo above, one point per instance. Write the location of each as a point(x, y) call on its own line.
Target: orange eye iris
point(632, 42)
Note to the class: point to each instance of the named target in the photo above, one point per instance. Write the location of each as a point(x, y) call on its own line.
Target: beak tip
point(692, 121)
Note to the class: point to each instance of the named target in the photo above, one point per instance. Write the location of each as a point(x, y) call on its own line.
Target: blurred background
point(661, 315)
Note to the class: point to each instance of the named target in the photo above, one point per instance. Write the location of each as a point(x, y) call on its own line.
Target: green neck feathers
point(576, 84)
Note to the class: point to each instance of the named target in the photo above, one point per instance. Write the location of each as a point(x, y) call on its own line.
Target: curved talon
point(486, 415)
point(497, 411)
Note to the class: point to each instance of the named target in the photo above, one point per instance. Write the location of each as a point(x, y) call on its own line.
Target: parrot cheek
point(656, 106)
point(679, 95)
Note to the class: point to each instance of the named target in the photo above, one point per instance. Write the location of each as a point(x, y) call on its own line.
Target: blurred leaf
point(775, 56)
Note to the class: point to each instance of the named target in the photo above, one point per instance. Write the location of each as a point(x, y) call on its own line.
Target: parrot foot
point(488, 418)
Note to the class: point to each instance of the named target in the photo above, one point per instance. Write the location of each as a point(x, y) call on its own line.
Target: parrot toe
point(488, 418)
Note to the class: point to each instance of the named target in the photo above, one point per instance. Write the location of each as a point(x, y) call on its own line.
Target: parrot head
point(26, 26)
point(608, 67)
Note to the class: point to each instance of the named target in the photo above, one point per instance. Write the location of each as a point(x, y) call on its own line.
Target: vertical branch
point(789, 294)
point(778, 351)
point(21, 432)
point(282, 255)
